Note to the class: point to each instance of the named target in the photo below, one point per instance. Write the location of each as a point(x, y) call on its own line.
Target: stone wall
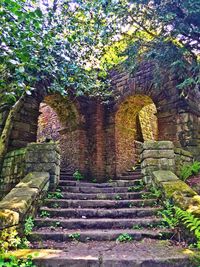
point(182, 158)
point(156, 156)
point(25, 123)
point(23, 200)
point(34, 158)
point(44, 158)
point(149, 122)
point(12, 170)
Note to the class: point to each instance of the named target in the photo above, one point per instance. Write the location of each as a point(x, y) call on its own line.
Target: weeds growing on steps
point(124, 238)
point(78, 176)
point(55, 195)
point(75, 236)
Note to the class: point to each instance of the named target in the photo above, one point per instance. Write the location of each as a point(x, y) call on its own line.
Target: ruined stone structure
point(99, 139)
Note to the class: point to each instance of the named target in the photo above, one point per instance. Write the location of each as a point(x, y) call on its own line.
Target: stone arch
point(135, 120)
point(70, 114)
point(61, 120)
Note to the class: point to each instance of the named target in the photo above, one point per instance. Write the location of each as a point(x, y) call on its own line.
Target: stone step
point(109, 196)
point(130, 177)
point(134, 173)
point(92, 189)
point(101, 213)
point(65, 203)
point(99, 223)
point(116, 183)
point(150, 253)
point(95, 235)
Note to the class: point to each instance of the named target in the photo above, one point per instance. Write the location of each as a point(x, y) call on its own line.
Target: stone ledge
point(34, 180)
point(17, 203)
point(158, 145)
point(177, 190)
point(183, 152)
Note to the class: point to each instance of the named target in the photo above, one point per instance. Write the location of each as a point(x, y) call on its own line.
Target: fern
point(189, 170)
point(168, 215)
point(190, 221)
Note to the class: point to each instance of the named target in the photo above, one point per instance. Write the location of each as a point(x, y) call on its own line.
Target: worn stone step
point(116, 183)
point(65, 203)
point(130, 177)
point(138, 172)
point(98, 223)
point(92, 189)
point(96, 235)
point(109, 196)
point(101, 213)
point(150, 253)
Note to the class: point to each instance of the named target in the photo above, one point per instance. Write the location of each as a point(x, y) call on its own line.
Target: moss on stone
point(177, 186)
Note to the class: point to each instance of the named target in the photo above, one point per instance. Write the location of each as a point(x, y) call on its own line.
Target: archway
point(135, 120)
point(60, 120)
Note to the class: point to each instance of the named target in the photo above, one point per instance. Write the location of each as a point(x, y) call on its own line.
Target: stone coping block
point(183, 152)
point(44, 146)
point(171, 184)
point(177, 190)
point(157, 154)
point(19, 200)
point(157, 145)
point(164, 176)
point(34, 180)
point(16, 204)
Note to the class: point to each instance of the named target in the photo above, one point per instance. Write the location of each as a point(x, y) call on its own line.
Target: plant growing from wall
point(189, 170)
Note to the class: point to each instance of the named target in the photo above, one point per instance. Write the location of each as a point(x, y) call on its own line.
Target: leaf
point(21, 69)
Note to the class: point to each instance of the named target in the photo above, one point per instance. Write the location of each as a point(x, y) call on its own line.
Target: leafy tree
point(51, 45)
point(165, 32)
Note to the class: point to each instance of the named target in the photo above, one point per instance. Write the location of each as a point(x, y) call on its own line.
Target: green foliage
point(165, 33)
point(58, 47)
point(189, 170)
point(118, 197)
point(168, 215)
point(28, 226)
point(137, 187)
point(78, 176)
point(12, 261)
point(9, 239)
point(191, 222)
point(74, 236)
point(136, 227)
point(55, 195)
point(124, 238)
point(153, 192)
point(44, 214)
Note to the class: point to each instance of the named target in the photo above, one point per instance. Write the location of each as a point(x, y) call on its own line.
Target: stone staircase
point(97, 215)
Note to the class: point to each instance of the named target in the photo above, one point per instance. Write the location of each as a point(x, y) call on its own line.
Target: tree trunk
point(4, 138)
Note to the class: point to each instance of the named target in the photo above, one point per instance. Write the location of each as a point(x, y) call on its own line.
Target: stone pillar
point(44, 157)
point(157, 156)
